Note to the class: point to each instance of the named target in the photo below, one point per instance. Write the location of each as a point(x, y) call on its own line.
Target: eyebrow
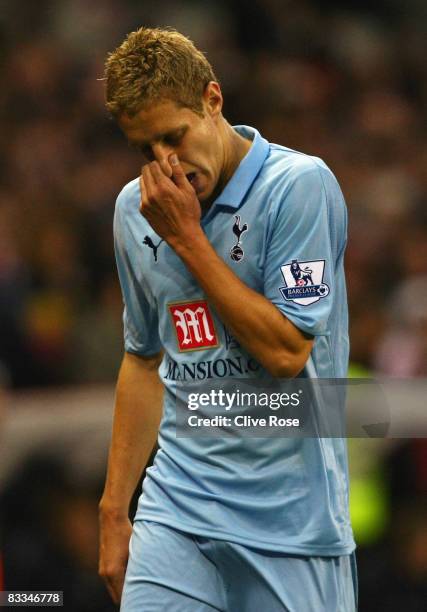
point(176, 132)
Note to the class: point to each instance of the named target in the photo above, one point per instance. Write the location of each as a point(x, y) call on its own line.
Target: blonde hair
point(153, 64)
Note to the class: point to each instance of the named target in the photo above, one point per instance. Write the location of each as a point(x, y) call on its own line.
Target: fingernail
point(174, 160)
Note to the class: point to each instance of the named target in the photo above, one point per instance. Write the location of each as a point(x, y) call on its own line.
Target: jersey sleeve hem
point(143, 352)
point(307, 329)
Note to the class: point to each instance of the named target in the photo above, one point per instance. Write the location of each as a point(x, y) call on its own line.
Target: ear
point(212, 99)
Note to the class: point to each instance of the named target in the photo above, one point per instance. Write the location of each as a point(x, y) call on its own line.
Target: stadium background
point(343, 80)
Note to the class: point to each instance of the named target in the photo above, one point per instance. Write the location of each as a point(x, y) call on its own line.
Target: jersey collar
point(237, 187)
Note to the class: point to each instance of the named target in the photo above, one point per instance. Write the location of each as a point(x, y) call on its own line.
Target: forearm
point(252, 319)
point(136, 422)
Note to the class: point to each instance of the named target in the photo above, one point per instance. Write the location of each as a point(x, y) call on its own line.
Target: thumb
point(178, 174)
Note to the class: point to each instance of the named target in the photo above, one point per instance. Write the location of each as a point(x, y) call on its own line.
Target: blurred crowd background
point(343, 80)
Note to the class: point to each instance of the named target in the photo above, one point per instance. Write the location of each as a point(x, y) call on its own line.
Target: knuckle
point(107, 572)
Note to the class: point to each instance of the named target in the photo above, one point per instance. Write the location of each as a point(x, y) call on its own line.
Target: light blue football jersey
point(280, 224)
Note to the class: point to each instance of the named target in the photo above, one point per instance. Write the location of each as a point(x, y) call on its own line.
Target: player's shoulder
point(293, 177)
point(129, 197)
point(288, 165)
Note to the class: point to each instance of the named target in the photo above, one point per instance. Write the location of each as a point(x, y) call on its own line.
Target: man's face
point(164, 128)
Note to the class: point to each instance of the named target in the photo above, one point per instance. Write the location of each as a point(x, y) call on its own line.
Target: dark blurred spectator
point(393, 572)
point(95, 343)
point(51, 541)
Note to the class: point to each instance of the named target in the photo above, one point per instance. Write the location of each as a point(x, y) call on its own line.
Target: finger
point(119, 587)
point(178, 173)
point(143, 189)
point(157, 173)
point(115, 587)
point(114, 583)
point(166, 167)
point(106, 579)
point(150, 185)
point(111, 592)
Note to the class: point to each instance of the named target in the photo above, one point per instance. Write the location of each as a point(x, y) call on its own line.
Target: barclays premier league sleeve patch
point(304, 282)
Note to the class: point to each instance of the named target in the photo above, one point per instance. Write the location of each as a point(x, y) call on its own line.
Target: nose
point(161, 152)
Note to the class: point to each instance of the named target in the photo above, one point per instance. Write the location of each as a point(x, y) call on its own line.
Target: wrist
point(194, 244)
point(113, 510)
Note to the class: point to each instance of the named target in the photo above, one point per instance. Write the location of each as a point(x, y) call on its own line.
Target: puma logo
point(147, 240)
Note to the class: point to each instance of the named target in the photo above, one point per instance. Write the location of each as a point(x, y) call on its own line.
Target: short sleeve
point(140, 319)
point(307, 235)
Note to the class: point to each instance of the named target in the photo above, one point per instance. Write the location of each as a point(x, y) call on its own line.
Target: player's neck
point(235, 148)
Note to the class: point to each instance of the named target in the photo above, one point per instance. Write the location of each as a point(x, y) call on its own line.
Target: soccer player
point(230, 257)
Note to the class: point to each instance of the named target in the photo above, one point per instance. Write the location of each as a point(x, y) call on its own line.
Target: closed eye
point(173, 140)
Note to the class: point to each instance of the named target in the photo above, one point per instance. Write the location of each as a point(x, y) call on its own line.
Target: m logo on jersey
point(304, 281)
point(194, 325)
